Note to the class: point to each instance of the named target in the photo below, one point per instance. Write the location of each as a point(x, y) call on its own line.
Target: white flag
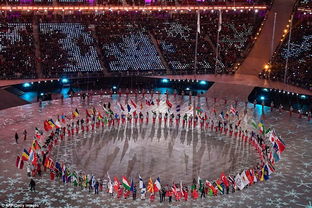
point(220, 21)
point(198, 21)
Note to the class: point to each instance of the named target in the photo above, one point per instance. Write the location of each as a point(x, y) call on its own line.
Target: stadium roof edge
point(129, 8)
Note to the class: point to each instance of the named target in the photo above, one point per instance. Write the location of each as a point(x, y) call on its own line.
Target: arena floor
point(171, 153)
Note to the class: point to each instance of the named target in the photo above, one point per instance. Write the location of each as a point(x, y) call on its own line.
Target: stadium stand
point(17, 57)
point(299, 56)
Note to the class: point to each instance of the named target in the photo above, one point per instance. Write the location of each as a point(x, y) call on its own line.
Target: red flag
point(19, 162)
point(52, 175)
point(250, 179)
point(214, 190)
point(281, 146)
point(116, 184)
point(132, 103)
point(46, 125)
point(121, 107)
point(169, 104)
point(225, 180)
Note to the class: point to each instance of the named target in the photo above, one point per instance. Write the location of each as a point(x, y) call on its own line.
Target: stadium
point(155, 103)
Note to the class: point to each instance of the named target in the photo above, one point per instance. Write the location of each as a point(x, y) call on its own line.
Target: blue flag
point(129, 108)
point(132, 186)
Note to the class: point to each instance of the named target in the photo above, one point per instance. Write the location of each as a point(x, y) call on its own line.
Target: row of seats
point(299, 55)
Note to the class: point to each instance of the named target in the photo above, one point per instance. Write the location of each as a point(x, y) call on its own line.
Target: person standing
point(32, 185)
point(25, 134)
point(96, 187)
point(134, 192)
point(16, 137)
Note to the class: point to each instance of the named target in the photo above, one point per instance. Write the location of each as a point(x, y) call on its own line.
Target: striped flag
point(178, 108)
point(125, 183)
point(169, 104)
point(19, 162)
point(133, 103)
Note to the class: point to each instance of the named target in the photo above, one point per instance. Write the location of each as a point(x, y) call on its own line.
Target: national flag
point(51, 123)
point(218, 182)
point(33, 158)
point(19, 162)
point(244, 178)
point(116, 184)
point(211, 187)
point(132, 186)
point(38, 133)
point(178, 108)
point(89, 112)
point(25, 155)
point(260, 126)
point(232, 110)
point(181, 187)
point(48, 162)
point(198, 21)
point(129, 108)
point(199, 110)
point(200, 184)
point(249, 177)
point(150, 186)
point(253, 123)
point(157, 186)
point(276, 156)
point(169, 104)
point(280, 144)
point(35, 145)
point(224, 179)
point(133, 103)
point(238, 181)
point(141, 106)
point(147, 102)
point(110, 185)
point(190, 107)
point(75, 178)
point(75, 113)
point(221, 115)
point(58, 125)
point(141, 183)
point(100, 117)
point(63, 118)
point(220, 21)
point(46, 125)
point(125, 183)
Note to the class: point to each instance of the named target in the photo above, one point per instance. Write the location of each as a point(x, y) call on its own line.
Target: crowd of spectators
point(141, 2)
point(67, 47)
point(299, 56)
point(17, 56)
point(305, 4)
point(143, 41)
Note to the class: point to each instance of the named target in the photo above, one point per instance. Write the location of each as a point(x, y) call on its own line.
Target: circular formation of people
point(230, 122)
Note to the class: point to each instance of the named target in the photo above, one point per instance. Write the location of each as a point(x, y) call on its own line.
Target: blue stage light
point(165, 81)
point(114, 87)
point(187, 88)
point(26, 84)
point(202, 82)
point(265, 90)
point(262, 98)
point(303, 97)
point(64, 80)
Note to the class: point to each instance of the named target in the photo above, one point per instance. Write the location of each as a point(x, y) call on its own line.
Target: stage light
point(114, 87)
point(262, 98)
point(165, 81)
point(265, 90)
point(65, 80)
point(42, 94)
point(187, 88)
point(303, 97)
point(26, 84)
point(202, 82)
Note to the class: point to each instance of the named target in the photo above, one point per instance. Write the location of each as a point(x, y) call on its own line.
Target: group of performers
point(229, 125)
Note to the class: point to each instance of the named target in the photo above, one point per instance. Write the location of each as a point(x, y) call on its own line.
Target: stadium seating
point(17, 56)
point(67, 47)
point(299, 56)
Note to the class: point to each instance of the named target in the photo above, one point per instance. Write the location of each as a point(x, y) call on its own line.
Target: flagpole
point(218, 40)
point(288, 48)
point(196, 44)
